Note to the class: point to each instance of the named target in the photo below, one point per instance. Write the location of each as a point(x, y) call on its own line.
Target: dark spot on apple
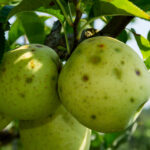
point(101, 45)
point(50, 116)
point(118, 50)
point(93, 117)
point(53, 78)
point(33, 50)
point(122, 62)
point(85, 78)
point(3, 69)
point(132, 100)
point(22, 95)
point(105, 97)
point(95, 59)
point(138, 73)
point(29, 80)
point(141, 87)
point(39, 46)
point(117, 73)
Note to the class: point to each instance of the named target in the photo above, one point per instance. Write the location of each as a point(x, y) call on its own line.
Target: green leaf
point(55, 12)
point(148, 35)
point(33, 27)
point(4, 13)
point(118, 7)
point(143, 4)
point(15, 32)
point(29, 5)
point(147, 62)
point(143, 43)
point(123, 36)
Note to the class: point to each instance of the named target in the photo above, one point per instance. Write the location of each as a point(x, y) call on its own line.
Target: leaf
point(29, 5)
point(15, 32)
point(143, 4)
point(33, 27)
point(148, 35)
point(143, 44)
point(118, 7)
point(4, 13)
point(55, 12)
point(147, 62)
point(123, 36)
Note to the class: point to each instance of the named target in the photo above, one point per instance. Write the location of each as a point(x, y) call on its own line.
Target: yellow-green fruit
point(4, 121)
point(28, 80)
point(58, 132)
point(104, 84)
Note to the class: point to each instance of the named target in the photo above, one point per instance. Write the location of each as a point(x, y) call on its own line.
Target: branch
point(76, 22)
point(113, 28)
point(7, 137)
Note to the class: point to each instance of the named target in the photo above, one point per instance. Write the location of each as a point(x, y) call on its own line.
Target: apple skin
point(4, 121)
point(104, 84)
point(28, 82)
point(61, 131)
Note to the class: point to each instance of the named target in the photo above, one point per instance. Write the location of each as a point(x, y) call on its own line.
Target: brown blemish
point(32, 64)
point(3, 69)
point(132, 100)
point(101, 45)
point(33, 50)
point(85, 78)
point(93, 117)
point(29, 80)
point(118, 73)
point(95, 59)
point(138, 73)
point(22, 95)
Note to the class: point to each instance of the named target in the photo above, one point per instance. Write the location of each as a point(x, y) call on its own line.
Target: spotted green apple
point(104, 84)
point(28, 81)
point(60, 131)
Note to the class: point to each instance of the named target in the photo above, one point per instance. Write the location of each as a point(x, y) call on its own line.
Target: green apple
point(4, 121)
point(104, 84)
point(28, 82)
point(60, 131)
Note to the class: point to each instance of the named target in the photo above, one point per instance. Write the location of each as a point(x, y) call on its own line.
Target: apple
point(60, 131)
point(4, 121)
point(28, 82)
point(104, 84)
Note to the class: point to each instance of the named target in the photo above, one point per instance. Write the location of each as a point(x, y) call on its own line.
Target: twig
point(7, 136)
point(76, 22)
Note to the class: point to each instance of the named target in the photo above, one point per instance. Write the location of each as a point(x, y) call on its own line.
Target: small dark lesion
point(101, 45)
point(53, 78)
point(93, 117)
point(85, 78)
point(138, 72)
point(29, 80)
point(117, 73)
point(33, 50)
point(132, 100)
point(122, 62)
point(95, 59)
point(118, 50)
point(22, 95)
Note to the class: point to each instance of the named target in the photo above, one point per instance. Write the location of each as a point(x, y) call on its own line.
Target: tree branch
point(112, 29)
point(7, 137)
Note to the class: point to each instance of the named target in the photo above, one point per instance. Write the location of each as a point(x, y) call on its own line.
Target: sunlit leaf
point(118, 7)
point(33, 26)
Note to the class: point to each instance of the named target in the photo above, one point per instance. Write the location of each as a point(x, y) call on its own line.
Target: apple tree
point(59, 38)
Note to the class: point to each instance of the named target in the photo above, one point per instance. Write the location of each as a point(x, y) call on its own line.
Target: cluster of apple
point(102, 86)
